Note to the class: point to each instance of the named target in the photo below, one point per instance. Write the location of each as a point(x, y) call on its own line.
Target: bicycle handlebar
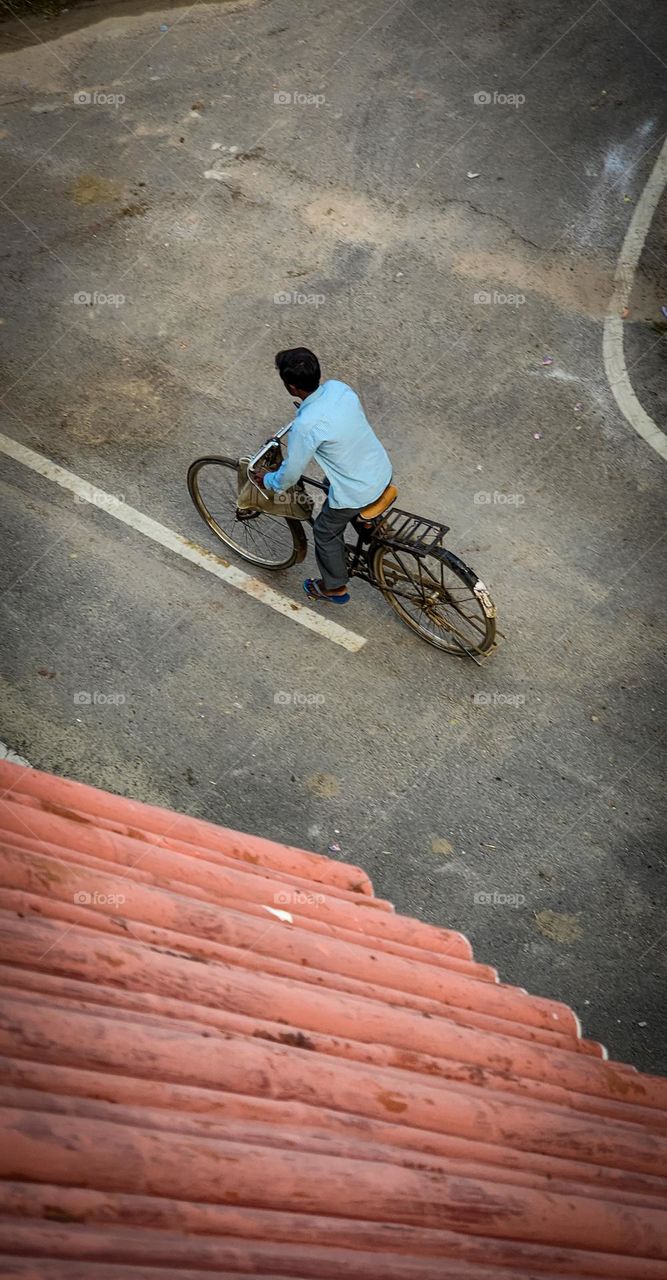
point(273, 443)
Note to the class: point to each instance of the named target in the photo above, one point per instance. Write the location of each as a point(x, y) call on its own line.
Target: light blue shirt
point(331, 427)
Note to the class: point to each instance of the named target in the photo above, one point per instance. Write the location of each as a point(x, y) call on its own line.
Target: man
point(331, 427)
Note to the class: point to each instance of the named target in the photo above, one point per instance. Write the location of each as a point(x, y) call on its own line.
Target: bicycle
point(396, 552)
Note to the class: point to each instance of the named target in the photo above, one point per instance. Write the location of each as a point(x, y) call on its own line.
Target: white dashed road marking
point(159, 533)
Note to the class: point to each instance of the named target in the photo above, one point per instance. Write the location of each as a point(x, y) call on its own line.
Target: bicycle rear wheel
point(439, 597)
point(270, 541)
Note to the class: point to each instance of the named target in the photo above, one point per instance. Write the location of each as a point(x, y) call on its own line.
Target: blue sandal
point(315, 593)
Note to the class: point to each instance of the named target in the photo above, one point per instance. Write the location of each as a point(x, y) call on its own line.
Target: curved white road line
point(612, 340)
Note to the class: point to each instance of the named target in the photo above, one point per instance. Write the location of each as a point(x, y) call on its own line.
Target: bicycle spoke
point(430, 595)
point(249, 533)
point(254, 531)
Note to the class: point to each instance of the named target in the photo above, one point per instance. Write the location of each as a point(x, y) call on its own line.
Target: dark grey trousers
point(329, 528)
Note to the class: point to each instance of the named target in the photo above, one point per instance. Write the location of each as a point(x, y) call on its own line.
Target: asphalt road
point(150, 166)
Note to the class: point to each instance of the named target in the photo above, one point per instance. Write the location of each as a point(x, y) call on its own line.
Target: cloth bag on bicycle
point(293, 504)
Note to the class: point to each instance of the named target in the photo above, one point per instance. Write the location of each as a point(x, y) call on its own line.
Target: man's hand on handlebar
point(259, 473)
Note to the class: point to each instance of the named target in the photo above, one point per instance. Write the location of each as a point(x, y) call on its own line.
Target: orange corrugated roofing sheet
point(221, 1055)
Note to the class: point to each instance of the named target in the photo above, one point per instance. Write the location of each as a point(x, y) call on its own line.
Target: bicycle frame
point(386, 552)
point(357, 551)
point(409, 530)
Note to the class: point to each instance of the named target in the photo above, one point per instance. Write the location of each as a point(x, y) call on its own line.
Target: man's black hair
point(300, 368)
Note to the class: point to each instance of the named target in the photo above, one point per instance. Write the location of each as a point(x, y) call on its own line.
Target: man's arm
point(300, 449)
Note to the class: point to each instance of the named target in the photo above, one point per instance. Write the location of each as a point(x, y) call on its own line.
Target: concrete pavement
point(529, 818)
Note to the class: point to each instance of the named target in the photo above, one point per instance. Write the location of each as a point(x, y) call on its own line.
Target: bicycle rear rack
point(402, 528)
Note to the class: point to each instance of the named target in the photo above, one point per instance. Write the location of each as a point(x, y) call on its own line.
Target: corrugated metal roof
point(221, 1055)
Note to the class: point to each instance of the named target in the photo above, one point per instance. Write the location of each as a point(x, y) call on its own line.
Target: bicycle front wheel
point(269, 541)
point(439, 597)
